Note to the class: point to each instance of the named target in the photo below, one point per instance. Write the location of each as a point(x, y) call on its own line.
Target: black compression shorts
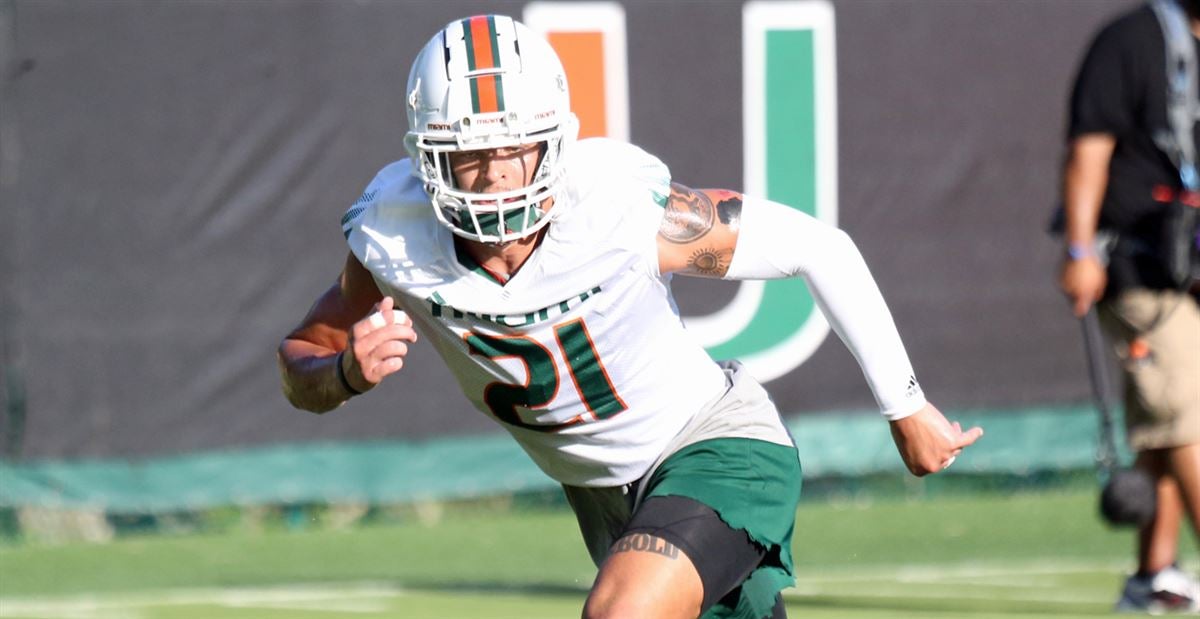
point(724, 557)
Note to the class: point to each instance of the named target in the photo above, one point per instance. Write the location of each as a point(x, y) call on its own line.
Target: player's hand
point(928, 443)
point(1083, 282)
point(378, 345)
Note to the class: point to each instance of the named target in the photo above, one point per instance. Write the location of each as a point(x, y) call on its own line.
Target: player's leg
point(655, 580)
point(714, 520)
point(729, 506)
point(677, 558)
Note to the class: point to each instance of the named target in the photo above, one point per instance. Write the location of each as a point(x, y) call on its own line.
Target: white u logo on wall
point(789, 109)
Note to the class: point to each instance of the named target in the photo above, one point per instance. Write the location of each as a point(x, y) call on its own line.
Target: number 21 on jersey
point(572, 353)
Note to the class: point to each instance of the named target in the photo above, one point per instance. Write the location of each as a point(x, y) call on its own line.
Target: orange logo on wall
point(590, 39)
point(582, 54)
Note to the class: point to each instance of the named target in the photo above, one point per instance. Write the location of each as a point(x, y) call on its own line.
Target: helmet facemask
point(525, 102)
point(497, 217)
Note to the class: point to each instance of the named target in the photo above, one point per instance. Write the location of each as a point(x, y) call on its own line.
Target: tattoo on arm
point(702, 232)
point(689, 215)
point(729, 211)
point(644, 542)
point(709, 262)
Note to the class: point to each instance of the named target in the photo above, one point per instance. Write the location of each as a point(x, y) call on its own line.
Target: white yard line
point(959, 571)
point(358, 598)
point(1016, 581)
point(958, 593)
point(51, 613)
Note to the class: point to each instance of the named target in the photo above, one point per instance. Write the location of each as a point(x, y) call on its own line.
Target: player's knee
point(631, 605)
point(615, 611)
point(605, 603)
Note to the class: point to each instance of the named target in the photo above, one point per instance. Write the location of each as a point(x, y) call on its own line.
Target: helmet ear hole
point(488, 82)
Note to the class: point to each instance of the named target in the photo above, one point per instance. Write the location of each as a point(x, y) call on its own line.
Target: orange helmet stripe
point(487, 92)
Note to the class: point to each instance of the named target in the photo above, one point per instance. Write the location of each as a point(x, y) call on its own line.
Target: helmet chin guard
point(488, 82)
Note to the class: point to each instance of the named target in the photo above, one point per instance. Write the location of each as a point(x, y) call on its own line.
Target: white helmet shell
point(488, 82)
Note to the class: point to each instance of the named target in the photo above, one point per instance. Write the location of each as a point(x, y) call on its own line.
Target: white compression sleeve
point(776, 241)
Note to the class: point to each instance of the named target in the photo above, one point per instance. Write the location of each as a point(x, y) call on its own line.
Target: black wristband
point(341, 374)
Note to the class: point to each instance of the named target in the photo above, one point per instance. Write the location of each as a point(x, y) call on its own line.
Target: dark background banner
point(174, 172)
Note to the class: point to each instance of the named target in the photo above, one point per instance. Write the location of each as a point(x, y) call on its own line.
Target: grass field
point(991, 556)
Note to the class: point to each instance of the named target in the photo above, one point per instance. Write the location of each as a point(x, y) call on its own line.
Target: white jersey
point(581, 355)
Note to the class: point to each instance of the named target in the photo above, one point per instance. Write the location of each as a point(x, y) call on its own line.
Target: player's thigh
point(645, 576)
point(676, 558)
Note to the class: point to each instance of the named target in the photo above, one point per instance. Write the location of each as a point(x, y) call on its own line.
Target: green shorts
point(753, 486)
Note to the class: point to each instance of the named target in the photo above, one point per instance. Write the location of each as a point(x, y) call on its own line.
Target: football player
point(538, 267)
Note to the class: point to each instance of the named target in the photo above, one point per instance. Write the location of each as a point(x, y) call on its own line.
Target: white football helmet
point(488, 82)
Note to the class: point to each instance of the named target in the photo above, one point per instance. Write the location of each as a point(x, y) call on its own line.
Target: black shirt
point(1121, 90)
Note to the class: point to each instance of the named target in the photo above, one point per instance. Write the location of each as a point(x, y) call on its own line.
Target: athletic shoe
point(1169, 591)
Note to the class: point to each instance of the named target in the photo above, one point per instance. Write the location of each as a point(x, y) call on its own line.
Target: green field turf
point(1014, 556)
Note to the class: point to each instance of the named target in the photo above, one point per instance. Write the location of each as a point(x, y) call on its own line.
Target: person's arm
point(342, 328)
point(719, 233)
point(1085, 178)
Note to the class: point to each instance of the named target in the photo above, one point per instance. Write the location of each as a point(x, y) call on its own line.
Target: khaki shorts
point(1156, 334)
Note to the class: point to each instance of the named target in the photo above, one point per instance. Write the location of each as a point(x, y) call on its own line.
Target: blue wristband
point(1079, 251)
